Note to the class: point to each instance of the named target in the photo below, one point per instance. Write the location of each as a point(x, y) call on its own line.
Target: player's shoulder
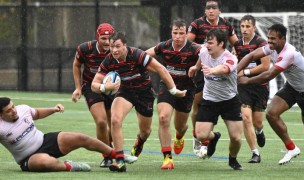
point(199, 20)
point(239, 42)
point(88, 46)
point(165, 44)
point(260, 40)
point(224, 21)
point(135, 52)
point(203, 51)
point(193, 45)
point(23, 108)
point(229, 55)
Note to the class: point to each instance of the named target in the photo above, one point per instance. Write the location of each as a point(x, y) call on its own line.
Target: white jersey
point(21, 138)
point(220, 87)
point(291, 62)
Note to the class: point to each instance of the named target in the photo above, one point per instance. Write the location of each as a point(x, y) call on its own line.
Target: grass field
point(77, 118)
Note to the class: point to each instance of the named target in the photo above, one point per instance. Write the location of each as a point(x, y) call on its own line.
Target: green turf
point(77, 118)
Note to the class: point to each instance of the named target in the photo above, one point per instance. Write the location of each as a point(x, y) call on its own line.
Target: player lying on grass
point(35, 151)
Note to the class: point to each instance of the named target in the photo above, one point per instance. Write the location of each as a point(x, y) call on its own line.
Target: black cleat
point(212, 144)
point(137, 148)
point(118, 167)
point(234, 164)
point(106, 162)
point(255, 158)
point(261, 139)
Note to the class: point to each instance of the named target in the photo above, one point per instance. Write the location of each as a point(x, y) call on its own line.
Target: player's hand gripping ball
point(114, 76)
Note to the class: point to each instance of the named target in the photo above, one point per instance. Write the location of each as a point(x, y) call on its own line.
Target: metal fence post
point(23, 63)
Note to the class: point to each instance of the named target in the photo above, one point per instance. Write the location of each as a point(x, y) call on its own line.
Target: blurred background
point(38, 39)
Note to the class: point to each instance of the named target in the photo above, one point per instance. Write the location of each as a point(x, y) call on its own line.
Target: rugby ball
point(114, 76)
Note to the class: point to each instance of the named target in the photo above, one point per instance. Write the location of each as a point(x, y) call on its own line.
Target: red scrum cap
point(104, 29)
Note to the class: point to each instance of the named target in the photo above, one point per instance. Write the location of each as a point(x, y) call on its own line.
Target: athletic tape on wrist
point(102, 88)
point(246, 72)
point(173, 90)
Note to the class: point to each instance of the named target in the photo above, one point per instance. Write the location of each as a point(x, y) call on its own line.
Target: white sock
point(259, 131)
point(255, 151)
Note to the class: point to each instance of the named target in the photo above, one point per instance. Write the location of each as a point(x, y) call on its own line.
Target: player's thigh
point(203, 129)
point(120, 108)
point(277, 106)
point(98, 111)
point(235, 129)
point(69, 141)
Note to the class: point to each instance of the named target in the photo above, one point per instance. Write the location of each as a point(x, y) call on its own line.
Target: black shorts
point(142, 100)
point(291, 96)
point(92, 97)
point(181, 104)
point(209, 111)
point(199, 82)
point(254, 95)
point(49, 146)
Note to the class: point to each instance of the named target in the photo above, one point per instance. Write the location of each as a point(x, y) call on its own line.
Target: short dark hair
point(248, 18)
point(4, 101)
point(280, 29)
point(179, 23)
point(119, 35)
point(219, 3)
point(220, 35)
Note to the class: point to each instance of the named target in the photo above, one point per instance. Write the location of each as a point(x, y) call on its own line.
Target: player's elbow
point(94, 87)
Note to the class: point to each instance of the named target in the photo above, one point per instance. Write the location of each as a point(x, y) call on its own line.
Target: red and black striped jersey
point(242, 50)
point(88, 54)
point(200, 27)
point(179, 62)
point(132, 71)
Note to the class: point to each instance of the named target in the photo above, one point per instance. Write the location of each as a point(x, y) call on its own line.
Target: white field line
point(45, 99)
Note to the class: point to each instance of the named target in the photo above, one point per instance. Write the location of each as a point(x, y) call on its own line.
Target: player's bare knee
point(164, 120)
point(146, 132)
point(236, 138)
point(116, 121)
point(271, 116)
point(41, 162)
point(102, 124)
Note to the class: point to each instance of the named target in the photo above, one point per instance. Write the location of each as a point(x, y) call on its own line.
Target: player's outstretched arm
point(77, 80)
point(253, 56)
point(156, 67)
point(45, 112)
point(97, 81)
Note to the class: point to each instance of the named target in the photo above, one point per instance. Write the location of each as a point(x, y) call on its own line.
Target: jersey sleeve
point(32, 111)
point(143, 58)
point(284, 61)
point(230, 61)
point(203, 54)
point(83, 49)
point(27, 109)
point(158, 48)
point(104, 66)
point(193, 28)
point(80, 53)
